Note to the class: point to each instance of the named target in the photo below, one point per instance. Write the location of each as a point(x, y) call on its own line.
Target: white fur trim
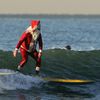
point(16, 49)
point(37, 68)
point(29, 29)
point(40, 51)
point(19, 67)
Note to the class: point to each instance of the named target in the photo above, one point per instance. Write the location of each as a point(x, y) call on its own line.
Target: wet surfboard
point(6, 73)
point(68, 81)
point(55, 80)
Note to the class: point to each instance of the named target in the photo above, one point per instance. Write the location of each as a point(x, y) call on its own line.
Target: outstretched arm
point(22, 38)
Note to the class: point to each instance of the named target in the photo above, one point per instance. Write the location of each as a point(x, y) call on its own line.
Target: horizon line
point(49, 14)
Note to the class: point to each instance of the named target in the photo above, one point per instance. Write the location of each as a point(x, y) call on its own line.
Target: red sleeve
point(40, 42)
point(22, 38)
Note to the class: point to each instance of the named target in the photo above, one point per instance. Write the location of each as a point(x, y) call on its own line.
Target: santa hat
point(33, 26)
point(34, 23)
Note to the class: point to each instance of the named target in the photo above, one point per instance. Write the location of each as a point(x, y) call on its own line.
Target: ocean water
point(82, 62)
point(82, 33)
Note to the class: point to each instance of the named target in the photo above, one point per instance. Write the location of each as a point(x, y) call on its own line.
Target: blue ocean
point(81, 32)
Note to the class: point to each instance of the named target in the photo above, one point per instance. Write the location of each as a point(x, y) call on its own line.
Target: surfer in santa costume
point(27, 45)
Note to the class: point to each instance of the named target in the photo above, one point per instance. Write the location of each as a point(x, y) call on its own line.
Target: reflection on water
point(59, 93)
point(28, 97)
point(56, 95)
point(21, 97)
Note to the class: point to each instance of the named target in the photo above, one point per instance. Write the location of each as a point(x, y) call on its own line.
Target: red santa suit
point(27, 44)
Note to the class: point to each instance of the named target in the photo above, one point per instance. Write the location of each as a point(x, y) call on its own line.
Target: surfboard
point(6, 73)
point(68, 81)
point(55, 80)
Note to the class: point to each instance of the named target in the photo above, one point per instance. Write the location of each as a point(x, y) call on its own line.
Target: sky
point(49, 6)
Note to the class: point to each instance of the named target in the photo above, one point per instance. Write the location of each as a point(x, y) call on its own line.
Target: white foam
point(18, 81)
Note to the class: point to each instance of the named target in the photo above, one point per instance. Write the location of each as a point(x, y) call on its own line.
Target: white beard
point(35, 35)
point(33, 43)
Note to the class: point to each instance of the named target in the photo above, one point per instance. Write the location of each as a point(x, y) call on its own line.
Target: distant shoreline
point(50, 15)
